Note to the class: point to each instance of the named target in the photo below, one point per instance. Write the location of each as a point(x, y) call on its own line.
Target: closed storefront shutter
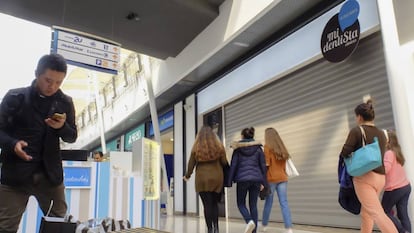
point(313, 111)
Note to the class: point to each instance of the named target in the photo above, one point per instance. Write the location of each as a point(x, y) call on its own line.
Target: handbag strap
point(386, 135)
point(364, 137)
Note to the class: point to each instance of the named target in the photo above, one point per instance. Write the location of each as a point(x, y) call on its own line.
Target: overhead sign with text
point(84, 50)
point(340, 36)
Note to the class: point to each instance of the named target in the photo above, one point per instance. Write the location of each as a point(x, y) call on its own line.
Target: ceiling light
point(241, 44)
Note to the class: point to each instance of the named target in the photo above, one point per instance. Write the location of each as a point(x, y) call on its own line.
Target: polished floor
point(185, 224)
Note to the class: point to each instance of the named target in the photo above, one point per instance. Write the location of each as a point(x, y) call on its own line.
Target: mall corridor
point(184, 224)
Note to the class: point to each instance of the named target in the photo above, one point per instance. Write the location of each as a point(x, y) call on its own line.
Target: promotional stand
point(147, 154)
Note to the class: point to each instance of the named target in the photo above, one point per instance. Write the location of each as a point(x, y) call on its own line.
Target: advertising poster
point(151, 169)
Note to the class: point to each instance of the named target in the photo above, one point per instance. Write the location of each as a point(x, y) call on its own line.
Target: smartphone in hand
point(58, 116)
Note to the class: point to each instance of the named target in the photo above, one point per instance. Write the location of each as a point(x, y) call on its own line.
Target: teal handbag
point(365, 159)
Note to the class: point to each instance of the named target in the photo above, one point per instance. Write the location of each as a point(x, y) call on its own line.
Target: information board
point(85, 50)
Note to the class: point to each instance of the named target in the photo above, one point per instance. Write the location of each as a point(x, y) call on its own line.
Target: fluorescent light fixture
point(241, 44)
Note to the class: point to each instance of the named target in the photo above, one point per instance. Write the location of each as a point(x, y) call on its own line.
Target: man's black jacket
point(22, 117)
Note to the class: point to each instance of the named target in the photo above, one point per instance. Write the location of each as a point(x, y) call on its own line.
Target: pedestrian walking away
point(208, 157)
point(397, 186)
point(368, 186)
point(276, 155)
point(248, 170)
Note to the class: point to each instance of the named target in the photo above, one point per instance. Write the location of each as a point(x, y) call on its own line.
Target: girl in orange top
point(276, 155)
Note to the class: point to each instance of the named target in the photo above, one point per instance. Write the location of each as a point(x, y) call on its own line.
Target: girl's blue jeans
point(281, 190)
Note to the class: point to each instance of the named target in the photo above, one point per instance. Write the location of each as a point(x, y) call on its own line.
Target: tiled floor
point(184, 224)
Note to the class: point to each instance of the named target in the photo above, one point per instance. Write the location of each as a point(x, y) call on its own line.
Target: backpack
point(347, 197)
point(14, 108)
point(18, 99)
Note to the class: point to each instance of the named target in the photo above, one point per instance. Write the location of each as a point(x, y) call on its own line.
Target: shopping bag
point(56, 225)
point(103, 225)
point(347, 197)
point(348, 200)
point(364, 159)
point(226, 171)
point(344, 179)
point(291, 170)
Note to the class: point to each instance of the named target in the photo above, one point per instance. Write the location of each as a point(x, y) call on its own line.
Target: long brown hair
point(207, 146)
point(395, 146)
point(275, 144)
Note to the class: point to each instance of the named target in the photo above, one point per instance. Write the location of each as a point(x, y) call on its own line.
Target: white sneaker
point(264, 228)
point(250, 227)
point(288, 230)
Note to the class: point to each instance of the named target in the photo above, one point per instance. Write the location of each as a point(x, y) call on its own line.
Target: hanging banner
point(340, 36)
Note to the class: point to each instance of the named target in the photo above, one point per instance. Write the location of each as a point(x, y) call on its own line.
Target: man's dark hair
point(99, 153)
point(54, 62)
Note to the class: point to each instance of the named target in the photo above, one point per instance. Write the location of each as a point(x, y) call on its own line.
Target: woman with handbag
point(397, 186)
point(368, 186)
point(276, 155)
point(208, 157)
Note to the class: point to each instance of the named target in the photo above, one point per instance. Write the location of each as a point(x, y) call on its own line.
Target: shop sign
point(133, 136)
point(77, 177)
point(165, 121)
point(112, 146)
point(340, 36)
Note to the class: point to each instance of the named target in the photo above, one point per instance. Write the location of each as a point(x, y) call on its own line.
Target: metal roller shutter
point(312, 109)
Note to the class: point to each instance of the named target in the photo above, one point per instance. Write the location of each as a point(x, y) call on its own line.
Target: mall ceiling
point(158, 28)
point(163, 28)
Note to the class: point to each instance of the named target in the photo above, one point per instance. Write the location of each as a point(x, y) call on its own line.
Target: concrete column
point(399, 55)
point(101, 124)
point(157, 135)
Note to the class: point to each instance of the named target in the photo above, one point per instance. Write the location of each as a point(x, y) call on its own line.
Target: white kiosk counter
point(95, 190)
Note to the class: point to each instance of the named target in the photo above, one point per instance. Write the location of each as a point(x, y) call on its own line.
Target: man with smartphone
point(32, 121)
